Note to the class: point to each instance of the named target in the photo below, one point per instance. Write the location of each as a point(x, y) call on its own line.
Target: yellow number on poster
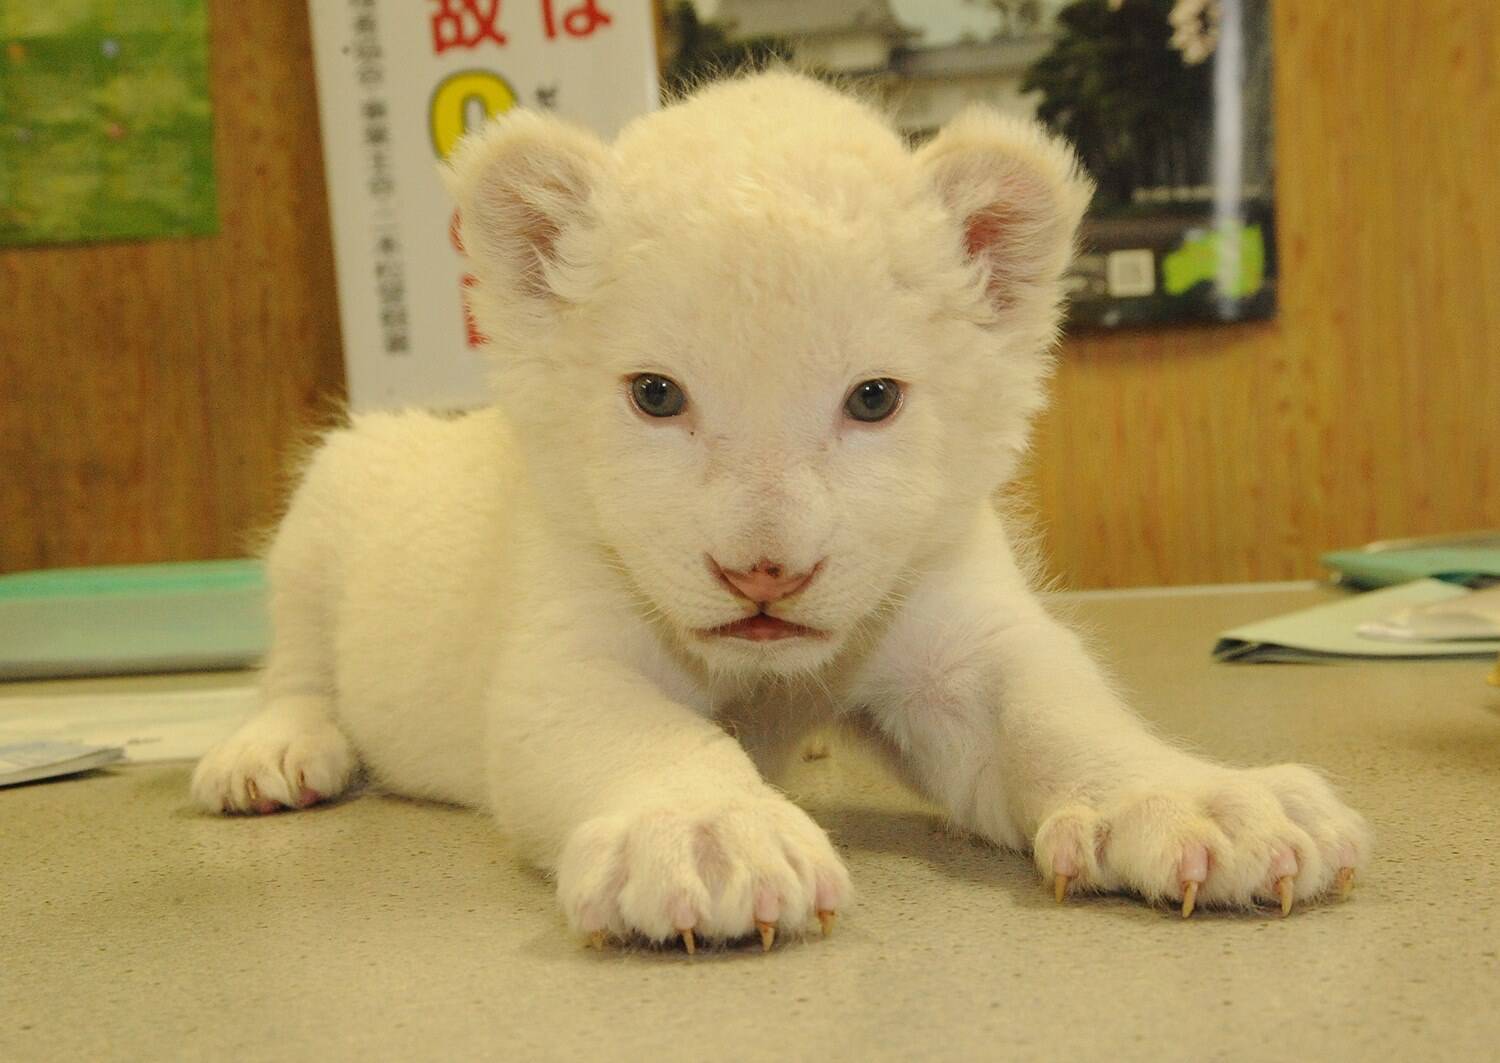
point(464, 100)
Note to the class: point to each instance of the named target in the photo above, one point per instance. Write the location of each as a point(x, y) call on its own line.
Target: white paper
point(1330, 631)
point(180, 725)
point(1476, 615)
point(22, 762)
point(398, 81)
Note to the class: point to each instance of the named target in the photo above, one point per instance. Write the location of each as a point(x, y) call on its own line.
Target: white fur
point(499, 609)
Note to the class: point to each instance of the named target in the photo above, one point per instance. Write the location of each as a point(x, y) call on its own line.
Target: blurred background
point(153, 391)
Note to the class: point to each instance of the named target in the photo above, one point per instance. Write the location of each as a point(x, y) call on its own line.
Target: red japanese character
point(472, 336)
point(465, 23)
point(579, 21)
point(455, 232)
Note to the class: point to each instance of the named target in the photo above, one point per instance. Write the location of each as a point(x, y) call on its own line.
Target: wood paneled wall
point(150, 393)
point(1371, 407)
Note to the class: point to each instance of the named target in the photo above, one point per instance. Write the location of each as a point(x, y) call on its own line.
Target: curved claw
point(689, 942)
point(1345, 882)
point(1192, 872)
point(1284, 891)
point(825, 919)
point(1060, 887)
point(767, 934)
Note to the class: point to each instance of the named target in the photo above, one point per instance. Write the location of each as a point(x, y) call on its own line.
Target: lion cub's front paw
point(721, 868)
point(1225, 837)
point(277, 760)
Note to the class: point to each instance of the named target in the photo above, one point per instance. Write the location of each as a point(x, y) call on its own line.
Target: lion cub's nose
point(767, 582)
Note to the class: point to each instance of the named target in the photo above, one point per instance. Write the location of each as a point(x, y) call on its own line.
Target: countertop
point(381, 928)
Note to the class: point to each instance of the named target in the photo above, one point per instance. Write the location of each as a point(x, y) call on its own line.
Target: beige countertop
point(134, 927)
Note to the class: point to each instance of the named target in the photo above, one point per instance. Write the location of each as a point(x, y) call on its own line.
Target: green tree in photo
point(1113, 84)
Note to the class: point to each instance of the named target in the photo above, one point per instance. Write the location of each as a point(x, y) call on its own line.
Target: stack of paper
point(1356, 627)
point(180, 725)
point(30, 761)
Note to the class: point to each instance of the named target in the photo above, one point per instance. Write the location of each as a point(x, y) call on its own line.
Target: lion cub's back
point(415, 544)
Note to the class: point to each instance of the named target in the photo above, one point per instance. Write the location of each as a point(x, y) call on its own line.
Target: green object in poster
point(1197, 260)
point(105, 122)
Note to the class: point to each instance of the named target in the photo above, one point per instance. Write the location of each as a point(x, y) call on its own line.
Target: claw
point(1060, 887)
point(1345, 882)
point(767, 935)
point(596, 939)
point(1189, 898)
point(826, 918)
point(1284, 891)
point(689, 942)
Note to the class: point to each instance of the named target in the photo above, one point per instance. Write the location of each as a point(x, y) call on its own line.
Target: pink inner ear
point(989, 238)
point(982, 231)
point(522, 213)
point(541, 233)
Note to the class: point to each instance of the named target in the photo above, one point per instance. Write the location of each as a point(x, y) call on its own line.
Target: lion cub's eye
point(657, 396)
point(874, 400)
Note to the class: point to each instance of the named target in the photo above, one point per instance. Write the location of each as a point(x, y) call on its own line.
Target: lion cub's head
point(761, 353)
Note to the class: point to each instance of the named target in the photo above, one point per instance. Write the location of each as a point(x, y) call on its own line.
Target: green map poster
point(105, 121)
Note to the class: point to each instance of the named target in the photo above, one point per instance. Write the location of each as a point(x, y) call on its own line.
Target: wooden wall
point(149, 393)
point(1371, 407)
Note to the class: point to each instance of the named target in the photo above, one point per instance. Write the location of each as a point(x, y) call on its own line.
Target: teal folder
point(184, 616)
point(1384, 568)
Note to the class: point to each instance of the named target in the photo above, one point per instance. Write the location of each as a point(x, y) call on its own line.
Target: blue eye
point(874, 400)
point(657, 396)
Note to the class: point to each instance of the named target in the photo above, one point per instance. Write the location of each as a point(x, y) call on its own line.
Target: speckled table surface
point(134, 927)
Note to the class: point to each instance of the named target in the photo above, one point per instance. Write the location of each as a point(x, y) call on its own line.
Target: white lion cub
point(759, 371)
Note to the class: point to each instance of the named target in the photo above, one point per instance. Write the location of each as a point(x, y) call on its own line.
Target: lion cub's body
point(559, 608)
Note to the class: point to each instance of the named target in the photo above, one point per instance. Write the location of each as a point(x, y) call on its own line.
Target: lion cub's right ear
point(526, 186)
point(1017, 195)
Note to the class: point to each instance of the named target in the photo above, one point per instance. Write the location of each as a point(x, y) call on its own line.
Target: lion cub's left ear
point(1018, 195)
point(526, 186)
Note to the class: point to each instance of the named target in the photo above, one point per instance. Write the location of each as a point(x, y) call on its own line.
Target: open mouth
point(763, 628)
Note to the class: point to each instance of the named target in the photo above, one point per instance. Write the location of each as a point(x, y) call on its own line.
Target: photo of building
point(1166, 101)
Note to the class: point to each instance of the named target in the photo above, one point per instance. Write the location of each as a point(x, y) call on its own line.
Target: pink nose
point(767, 582)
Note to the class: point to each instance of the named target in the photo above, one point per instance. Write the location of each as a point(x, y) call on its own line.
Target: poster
point(399, 82)
point(1167, 101)
point(105, 123)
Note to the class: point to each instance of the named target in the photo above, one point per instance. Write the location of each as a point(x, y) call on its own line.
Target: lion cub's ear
point(526, 187)
point(1018, 196)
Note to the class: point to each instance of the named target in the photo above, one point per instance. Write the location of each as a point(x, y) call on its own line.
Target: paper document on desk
point(1475, 615)
point(33, 761)
point(1331, 632)
point(180, 725)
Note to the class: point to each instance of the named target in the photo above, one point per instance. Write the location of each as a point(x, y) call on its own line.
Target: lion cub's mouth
point(762, 627)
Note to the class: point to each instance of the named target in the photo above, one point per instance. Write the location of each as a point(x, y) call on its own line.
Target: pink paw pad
point(1069, 848)
point(1284, 863)
point(1065, 861)
point(682, 915)
point(827, 895)
point(767, 906)
point(1194, 864)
